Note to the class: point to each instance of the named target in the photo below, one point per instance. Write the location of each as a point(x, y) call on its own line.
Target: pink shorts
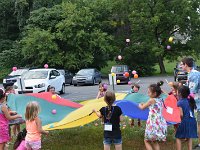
point(33, 145)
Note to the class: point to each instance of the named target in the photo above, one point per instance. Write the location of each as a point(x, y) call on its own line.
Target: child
point(16, 123)
point(187, 129)
point(33, 126)
point(135, 89)
point(20, 141)
point(102, 90)
point(174, 89)
point(4, 120)
point(51, 89)
point(112, 116)
point(156, 126)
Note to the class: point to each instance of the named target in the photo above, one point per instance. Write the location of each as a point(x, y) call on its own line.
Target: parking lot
point(90, 92)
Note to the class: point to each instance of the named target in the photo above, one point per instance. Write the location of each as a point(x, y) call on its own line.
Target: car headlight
point(40, 85)
point(181, 72)
point(4, 80)
point(74, 78)
point(89, 78)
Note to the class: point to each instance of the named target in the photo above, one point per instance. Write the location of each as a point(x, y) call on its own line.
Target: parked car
point(119, 70)
point(180, 74)
point(38, 80)
point(68, 76)
point(87, 76)
point(12, 77)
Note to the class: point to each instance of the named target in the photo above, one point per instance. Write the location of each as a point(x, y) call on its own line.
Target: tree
point(66, 36)
point(153, 22)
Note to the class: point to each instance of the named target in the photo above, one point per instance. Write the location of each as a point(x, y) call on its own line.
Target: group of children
point(156, 126)
point(29, 138)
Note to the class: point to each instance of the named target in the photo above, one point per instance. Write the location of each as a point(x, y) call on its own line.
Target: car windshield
point(36, 75)
point(86, 72)
point(18, 72)
point(116, 69)
point(62, 72)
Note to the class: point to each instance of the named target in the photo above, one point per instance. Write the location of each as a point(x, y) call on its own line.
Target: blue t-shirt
point(194, 81)
point(194, 85)
point(187, 112)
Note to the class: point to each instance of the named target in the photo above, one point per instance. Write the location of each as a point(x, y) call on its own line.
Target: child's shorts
point(109, 141)
point(34, 145)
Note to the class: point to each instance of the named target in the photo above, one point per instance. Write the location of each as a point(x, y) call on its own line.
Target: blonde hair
point(32, 110)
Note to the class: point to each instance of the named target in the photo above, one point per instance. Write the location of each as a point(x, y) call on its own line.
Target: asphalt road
point(90, 92)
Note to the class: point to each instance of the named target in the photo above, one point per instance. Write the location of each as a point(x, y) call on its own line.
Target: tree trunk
point(161, 65)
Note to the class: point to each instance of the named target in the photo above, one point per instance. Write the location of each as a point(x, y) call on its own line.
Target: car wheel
point(94, 81)
point(100, 81)
point(175, 78)
point(75, 84)
point(71, 82)
point(63, 89)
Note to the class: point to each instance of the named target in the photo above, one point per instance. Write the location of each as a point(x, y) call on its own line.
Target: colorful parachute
point(130, 107)
point(60, 107)
point(82, 115)
point(70, 114)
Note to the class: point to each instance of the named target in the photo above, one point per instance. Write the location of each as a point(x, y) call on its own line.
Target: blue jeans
point(109, 141)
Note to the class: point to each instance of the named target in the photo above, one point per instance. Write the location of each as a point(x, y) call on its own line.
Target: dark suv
point(12, 77)
point(119, 70)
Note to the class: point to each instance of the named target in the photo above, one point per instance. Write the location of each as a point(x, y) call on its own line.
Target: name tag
point(170, 110)
point(108, 127)
point(191, 115)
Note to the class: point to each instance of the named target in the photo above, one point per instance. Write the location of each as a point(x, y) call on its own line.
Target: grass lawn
point(90, 137)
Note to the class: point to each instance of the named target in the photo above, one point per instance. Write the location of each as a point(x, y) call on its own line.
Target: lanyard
point(110, 115)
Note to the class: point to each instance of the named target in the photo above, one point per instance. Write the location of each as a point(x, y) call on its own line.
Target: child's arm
point(97, 113)
point(98, 95)
point(121, 118)
point(7, 113)
point(39, 126)
point(147, 104)
point(181, 112)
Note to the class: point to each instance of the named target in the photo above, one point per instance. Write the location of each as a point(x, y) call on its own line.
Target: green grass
point(90, 137)
point(169, 67)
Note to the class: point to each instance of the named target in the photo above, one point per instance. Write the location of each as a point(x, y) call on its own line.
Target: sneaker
point(196, 147)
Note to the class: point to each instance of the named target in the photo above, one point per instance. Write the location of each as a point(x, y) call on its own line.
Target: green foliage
point(77, 34)
point(39, 48)
point(11, 57)
point(153, 22)
point(66, 36)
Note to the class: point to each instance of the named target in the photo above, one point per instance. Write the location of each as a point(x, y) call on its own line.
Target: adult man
point(193, 82)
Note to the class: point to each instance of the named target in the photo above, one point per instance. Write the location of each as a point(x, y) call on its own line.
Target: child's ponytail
point(109, 98)
point(192, 102)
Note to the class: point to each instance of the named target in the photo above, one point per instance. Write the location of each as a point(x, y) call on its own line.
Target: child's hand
point(140, 105)
point(19, 116)
point(93, 110)
point(13, 112)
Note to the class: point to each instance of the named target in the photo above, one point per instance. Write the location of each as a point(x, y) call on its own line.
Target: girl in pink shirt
point(33, 127)
point(5, 116)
